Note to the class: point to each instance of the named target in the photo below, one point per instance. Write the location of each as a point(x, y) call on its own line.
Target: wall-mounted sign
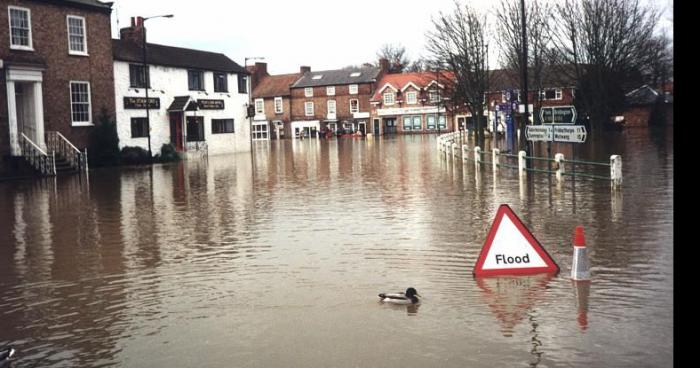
point(210, 104)
point(140, 103)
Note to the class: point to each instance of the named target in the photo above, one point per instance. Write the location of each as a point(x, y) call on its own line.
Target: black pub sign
point(140, 103)
point(210, 104)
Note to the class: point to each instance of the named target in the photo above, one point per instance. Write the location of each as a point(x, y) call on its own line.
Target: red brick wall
point(50, 43)
point(320, 99)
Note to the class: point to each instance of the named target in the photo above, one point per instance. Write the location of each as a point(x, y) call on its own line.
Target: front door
point(390, 126)
point(176, 131)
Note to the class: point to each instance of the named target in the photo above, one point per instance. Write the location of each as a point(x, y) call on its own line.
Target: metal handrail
point(581, 162)
point(36, 157)
point(58, 143)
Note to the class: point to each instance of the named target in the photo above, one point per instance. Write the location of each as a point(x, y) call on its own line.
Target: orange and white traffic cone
point(579, 267)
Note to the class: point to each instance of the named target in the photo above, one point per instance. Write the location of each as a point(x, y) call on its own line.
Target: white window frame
point(558, 94)
point(358, 106)
point(281, 105)
point(353, 89)
point(388, 101)
point(335, 107)
point(85, 46)
point(308, 108)
point(435, 93)
point(261, 110)
point(9, 25)
point(70, 99)
point(330, 91)
point(412, 97)
point(309, 92)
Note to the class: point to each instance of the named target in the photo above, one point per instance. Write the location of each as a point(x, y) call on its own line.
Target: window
point(355, 74)
point(552, 94)
point(195, 80)
point(330, 90)
point(411, 98)
point(417, 123)
point(260, 131)
point(309, 108)
point(317, 77)
point(77, 39)
point(309, 92)
point(442, 122)
point(195, 129)
point(354, 106)
point(137, 77)
point(431, 122)
point(80, 103)
point(331, 107)
point(407, 123)
point(259, 106)
point(242, 83)
point(279, 107)
point(139, 127)
point(220, 82)
point(353, 89)
point(20, 28)
point(389, 98)
point(434, 96)
point(220, 126)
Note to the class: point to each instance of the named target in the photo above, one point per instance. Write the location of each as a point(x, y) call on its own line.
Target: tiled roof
point(275, 85)
point(421, 80)
point(560, 76)
point(643, 95)
point(124, 50)
point(338, 77)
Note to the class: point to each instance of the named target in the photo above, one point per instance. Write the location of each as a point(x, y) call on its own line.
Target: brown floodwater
point(276, 260)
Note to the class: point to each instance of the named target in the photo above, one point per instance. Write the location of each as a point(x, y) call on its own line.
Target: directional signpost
point(556, 133)
point(538, 133)
point(558, 115)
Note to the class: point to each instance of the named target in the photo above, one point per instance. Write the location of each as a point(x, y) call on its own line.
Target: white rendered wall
point(168, 83)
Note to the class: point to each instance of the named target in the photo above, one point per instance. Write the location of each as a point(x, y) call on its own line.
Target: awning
point(183, 103)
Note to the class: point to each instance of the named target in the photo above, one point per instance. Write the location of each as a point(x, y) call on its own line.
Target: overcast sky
point(322, 34)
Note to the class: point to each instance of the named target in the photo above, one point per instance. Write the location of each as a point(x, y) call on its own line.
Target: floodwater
point(277, 260)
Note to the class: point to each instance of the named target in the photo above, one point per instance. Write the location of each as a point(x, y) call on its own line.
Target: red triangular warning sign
point(510, 249)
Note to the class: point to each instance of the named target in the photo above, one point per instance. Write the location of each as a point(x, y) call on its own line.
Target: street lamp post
point(147, 80)
point(249, 85)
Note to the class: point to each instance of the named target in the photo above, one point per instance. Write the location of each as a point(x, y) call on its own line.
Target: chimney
point(133, 34)
point(384, 65)
point(257, 72)
point(305, 69)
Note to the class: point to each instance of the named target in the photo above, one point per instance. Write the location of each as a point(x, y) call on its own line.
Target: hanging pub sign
point(140, 103)
point(210, 104)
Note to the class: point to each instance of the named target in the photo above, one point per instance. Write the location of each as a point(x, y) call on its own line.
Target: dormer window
point(389, 98)
point(355, 74)
point(411, 98)
point(434, 96)
point(317, 76)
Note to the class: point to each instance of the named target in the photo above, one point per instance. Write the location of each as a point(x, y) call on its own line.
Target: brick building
point(413, 103)
point(272, 101)
point(56, 63)
point(333, 100)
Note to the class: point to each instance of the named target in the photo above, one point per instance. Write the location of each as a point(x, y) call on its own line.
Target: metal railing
point(56, 142)
point(40, 160)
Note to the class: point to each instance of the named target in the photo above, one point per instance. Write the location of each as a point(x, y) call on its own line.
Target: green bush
point(103, 147)
point(134, 156)
point(167, 153)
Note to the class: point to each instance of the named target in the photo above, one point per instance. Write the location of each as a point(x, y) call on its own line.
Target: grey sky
point(322, 34)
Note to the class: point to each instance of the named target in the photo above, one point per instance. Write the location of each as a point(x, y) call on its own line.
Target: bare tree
point(606, 42)
point(459, 41)
point(659, 66)
point(510, 41)
point(417, 66)
point(396, 55)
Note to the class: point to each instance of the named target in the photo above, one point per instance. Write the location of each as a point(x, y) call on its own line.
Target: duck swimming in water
point(409, 297)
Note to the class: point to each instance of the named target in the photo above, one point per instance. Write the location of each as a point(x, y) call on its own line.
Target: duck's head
point(411, 292)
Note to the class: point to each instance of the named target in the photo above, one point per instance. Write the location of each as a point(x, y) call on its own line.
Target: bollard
point(477, 156)
point(465, 152)
point(616, 170)
point(559, 158)
point(454, 149)
point(494, 158)
point(579, 266)
point(521, 162)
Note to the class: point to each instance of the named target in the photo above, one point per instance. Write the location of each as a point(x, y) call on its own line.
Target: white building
point(197, 99)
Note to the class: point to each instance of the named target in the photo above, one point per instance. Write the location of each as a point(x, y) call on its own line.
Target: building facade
point(56, 72)
point(196, 99)
point(412, 103)
point(272, 102)
point(333, 101)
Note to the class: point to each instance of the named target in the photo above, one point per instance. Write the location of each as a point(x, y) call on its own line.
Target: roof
point(124, 50)
point(91, 4)
point(643, 95)
point(179, 103)
point(555, 76)
point(275, 85)
point(338, 77)
point(421, 80)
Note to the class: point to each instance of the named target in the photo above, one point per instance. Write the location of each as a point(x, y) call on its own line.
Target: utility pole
point(526, 115)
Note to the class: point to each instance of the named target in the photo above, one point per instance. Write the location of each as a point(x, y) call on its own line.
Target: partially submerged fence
point(448, 145)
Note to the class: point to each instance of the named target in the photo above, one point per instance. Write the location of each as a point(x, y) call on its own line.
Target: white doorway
point(25, 107)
